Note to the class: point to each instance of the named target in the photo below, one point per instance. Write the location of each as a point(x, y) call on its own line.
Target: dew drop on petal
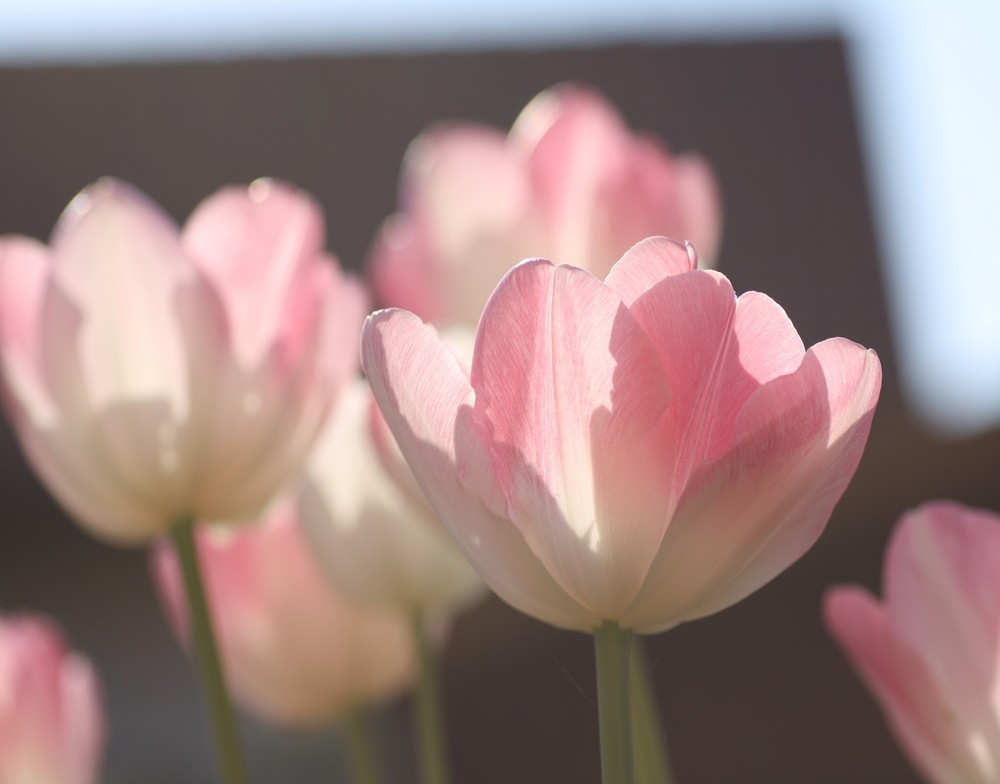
point(260, 189)
point(692, 254)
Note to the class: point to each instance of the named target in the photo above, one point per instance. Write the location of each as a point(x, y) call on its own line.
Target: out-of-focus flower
point(51, 715)
point(647, 450)
point(570, 182)
point(930, 653)
point(154, 375)
point(370, 523)
point(294, 651)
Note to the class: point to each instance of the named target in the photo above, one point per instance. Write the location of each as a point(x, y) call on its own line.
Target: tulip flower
point(155, 375)
point(369, 522)
point(625, 455)
point(295, 651)
point(373, 530)
point(929, 652)
point(51, 716)
point(569, 182)
point(647, 450)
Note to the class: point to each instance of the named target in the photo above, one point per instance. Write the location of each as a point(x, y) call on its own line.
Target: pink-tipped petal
point(52, 725)
point(747, 515)
point(575, 399)
point(647, 263)
point(429, 405)
point(941, 581)
point(258, 246)
point(919, 713)
point(470, 201)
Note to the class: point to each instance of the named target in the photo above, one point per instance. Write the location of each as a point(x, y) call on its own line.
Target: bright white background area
point(926, 74)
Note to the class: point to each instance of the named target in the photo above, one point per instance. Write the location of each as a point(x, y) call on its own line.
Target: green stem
point(428, 712)
point(652, 761)
point(362, 748)
point(229, 750)
point(612, 646)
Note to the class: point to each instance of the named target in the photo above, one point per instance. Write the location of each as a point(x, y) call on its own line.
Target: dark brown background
point(756, 694)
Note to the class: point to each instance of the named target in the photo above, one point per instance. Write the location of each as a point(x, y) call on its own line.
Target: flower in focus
point(570, 182)
point(51, 714)
point(930, 652)
point(370, 523)
point(154, 375)
point(647, 450)
point(294, 651)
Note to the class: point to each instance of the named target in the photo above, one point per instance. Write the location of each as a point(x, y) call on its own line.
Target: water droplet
point(260, 189)
point(692, 254)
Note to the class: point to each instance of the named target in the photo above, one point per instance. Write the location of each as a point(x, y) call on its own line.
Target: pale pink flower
point(154, 374)
point(51, 713)
point(569, 182)
point(647, 450)
point(294, 651)
point(369, 522)
point(930, 652)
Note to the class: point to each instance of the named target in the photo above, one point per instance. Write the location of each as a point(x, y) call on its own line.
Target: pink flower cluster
point(622, 439)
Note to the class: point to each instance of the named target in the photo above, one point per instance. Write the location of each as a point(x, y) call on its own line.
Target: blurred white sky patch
point(926, 75)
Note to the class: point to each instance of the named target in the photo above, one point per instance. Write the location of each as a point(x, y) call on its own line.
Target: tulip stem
point(428, 711)
point(362, 748)
point(652, 760)
point(229, 750)
point(612, 646)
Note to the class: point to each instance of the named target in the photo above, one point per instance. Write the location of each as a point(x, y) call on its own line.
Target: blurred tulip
point(930, 652)
point(570, 182)
point(51, 716)
point(294, 651)
point(646, 451)
point(154, 375)
point(370, 523)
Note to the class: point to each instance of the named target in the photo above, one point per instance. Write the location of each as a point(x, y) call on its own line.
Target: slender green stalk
point(652, 760)
point(229, 750)
point(362, 748)
point(612, 646)
point(428, 712)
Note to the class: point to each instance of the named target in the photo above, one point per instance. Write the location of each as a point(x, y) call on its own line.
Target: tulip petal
point(465, 191)
point(112, 245)
point(428, 403)
point(914, 706)
point(379, 544)
point(697, 203)
point(575, 398)
point(24, 266)
point(716, 350)
point(400, 270)
point(580, 153)
point(258, 245)
point(745, 516)
point(60, 452)
point(295, 652)
point(941, 584)
point(647, 263)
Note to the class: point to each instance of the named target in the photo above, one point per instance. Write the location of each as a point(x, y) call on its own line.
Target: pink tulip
point(153, 374)
point(930, 652)
point(51, 716)
point(369, 522)
point(569, 182)
point(294, 651)
point(647, 450)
